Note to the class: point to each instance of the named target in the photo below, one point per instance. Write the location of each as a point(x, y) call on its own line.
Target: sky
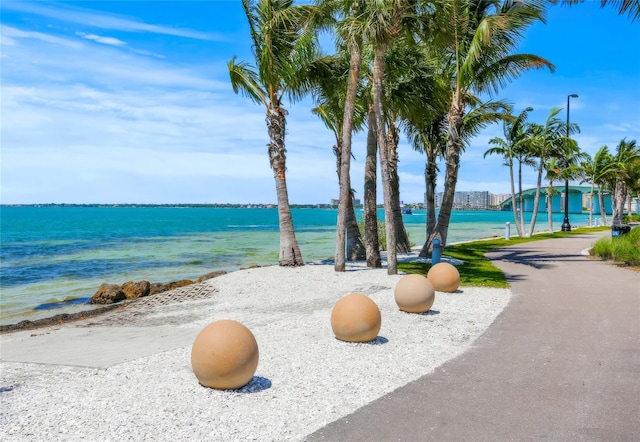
point(130, 102)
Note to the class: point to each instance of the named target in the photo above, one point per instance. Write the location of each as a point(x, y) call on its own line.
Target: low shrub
point(382, 233)
point(624, 249)
point(602, 248)
point(633, 218)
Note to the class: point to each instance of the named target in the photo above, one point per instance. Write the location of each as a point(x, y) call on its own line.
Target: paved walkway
point(561, 363)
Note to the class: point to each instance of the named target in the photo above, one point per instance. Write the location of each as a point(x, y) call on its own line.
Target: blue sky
point(130, 102)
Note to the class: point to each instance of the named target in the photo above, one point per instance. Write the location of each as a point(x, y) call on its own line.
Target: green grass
point(477, 270)
point(623, 249)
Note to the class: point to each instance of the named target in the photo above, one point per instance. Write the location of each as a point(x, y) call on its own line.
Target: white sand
point(305, 378)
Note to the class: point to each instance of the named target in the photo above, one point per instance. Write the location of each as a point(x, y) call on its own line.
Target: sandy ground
point(126, 375)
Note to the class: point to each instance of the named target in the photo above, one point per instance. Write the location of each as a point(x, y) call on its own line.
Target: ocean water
point(53, 259)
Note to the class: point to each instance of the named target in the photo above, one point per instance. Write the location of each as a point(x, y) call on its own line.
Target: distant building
point(496, 200)
point(468, 200)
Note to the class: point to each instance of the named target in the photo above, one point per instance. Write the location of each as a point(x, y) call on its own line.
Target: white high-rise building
point(467, 200)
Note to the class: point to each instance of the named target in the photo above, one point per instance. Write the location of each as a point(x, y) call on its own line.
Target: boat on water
point(407, 211)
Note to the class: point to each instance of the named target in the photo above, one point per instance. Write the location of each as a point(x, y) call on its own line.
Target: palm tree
point(633, 185)
point(595, 171)
point(349, 31)
point(428, 135)
point(553, 174)
point(330, 75)
point(483, 34)
point(385, 27)
point(281, 46)
point(372, 240)
point(625, 163)
point(414, 96)
point(510, 147)
point(550, 141)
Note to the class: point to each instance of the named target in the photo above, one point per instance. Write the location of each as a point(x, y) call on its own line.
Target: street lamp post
point(566, 227)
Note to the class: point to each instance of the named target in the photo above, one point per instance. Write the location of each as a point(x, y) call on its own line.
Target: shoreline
point(81, 311)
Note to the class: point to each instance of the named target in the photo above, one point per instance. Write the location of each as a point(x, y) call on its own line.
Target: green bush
point(624, 249)
point(602, 248)
point(382, 233)
point(634, 218)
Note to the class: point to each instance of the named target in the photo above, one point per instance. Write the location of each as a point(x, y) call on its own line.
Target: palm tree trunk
point(520, 201)
point(355, 247)
point(372, 241)
point(378, 94)
point(591, 205)
point(514, 204)
point(430, 183)
point(402, 239)
point(452, 161)
point(431, 196)
point(345, 156)
point(536, 200)
point(619, 196)
point(550, 206)
point(289, 250)
point(603, 211)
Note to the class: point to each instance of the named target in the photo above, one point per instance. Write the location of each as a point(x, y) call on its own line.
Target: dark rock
point(136, 289)
point(211, 275)
point(158, 287)
point(108, 294)
point(176, 284)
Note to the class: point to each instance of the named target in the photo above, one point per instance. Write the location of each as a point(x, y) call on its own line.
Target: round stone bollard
point(356, 318)
point(444, 277)
point(224, 355)
point(414, 294)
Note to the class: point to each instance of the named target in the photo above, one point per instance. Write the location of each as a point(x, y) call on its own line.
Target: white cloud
point(99, 39)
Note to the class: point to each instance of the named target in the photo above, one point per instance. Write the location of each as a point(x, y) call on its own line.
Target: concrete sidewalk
point(561, 363)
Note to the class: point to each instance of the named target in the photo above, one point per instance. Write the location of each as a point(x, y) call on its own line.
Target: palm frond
point(244, 79)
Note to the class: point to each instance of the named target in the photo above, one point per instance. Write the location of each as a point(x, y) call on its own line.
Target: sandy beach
point(126, 375)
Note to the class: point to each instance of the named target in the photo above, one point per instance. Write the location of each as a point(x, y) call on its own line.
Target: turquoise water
point(57, 254)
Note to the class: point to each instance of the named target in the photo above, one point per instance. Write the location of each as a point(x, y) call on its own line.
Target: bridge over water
point(578, 198)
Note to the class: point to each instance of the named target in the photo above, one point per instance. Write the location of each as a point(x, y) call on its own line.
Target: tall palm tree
point(553, 174)
point(511, 148)
point(595, 171)
point(633, 185)
point(282, 45)
point(624, 168)
point(428, 135)
point(482, 37)
point(550, 141)
point(414, 96)
point(385, 27)
point(349, 31)
point(372, 240)
point(330, 75)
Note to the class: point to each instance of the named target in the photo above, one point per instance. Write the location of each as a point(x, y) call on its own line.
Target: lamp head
point(574, 95)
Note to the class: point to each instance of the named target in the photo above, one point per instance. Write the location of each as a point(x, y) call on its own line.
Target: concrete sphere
point(414, 294)
point(444, 277)
point(224, 355)
point(356, 318)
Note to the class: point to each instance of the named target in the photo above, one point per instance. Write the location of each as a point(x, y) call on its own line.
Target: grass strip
point(477, 270)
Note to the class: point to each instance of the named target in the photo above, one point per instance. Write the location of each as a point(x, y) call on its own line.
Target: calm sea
point(61, 255)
